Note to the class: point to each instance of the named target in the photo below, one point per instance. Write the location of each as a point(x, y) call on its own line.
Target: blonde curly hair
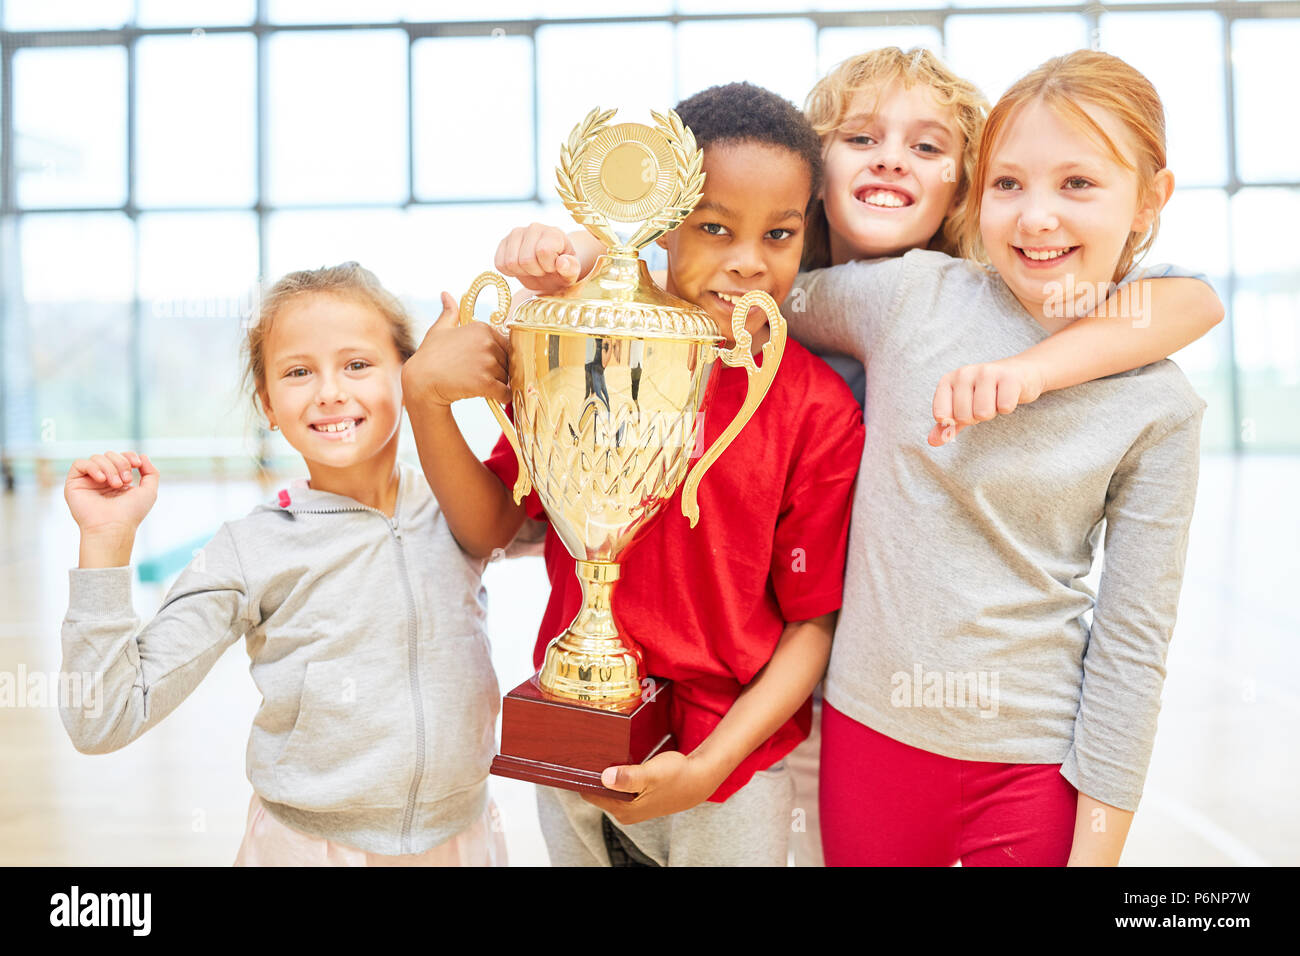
point(829, 103)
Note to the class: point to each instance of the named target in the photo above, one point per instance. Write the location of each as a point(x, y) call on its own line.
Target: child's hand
point(100, 494)
point(455, 362)
point(979, 393)
point(541, 257)
point(666, 783)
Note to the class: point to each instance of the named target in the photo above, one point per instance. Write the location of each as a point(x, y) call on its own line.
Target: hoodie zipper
point(417, 701)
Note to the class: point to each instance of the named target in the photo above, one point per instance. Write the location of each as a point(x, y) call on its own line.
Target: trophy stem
point(595, 621)
point(591, 661)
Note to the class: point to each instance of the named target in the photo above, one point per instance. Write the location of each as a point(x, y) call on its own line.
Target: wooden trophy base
point(566, 744)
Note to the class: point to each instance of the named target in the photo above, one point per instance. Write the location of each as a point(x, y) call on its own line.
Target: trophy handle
point(498, 321)
point(759, 380)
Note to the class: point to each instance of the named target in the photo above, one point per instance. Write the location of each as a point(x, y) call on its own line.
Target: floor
point(1221, 788)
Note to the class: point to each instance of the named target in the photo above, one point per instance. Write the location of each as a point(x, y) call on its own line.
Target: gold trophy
point(608, 381)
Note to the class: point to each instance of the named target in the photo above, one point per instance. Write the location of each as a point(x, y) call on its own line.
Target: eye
point(293, 372)
point(1077, 182)
point(1005, 184)
point(929, 148)
point(783, 234)
point(861, 139)
point(714, 229)
point(362, 362)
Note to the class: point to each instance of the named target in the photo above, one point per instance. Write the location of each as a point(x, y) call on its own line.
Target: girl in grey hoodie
point(363, 619)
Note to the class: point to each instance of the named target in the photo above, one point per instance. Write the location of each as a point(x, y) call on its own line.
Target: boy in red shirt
point(739, 611)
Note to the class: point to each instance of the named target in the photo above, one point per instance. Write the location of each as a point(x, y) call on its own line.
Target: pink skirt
point(268, 842)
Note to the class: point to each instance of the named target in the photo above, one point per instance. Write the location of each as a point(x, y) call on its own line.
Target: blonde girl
point(900, 134)
point(363, 620)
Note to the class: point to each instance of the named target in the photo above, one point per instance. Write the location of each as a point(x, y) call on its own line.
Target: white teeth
point(730, 299)
point(884, 197)
point(1040, 255)
point(337, 426)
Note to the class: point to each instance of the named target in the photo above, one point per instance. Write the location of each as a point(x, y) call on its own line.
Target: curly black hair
point(745, 113)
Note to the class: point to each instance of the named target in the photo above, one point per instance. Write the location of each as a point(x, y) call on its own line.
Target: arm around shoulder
point(842, 308)
point(1141, 322)
point(1138, 323)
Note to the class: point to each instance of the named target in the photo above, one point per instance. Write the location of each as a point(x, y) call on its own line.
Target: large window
point(161, 158)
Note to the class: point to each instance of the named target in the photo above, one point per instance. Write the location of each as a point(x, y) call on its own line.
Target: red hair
point(1064, 84)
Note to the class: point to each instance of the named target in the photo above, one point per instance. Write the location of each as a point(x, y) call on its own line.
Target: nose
point(746, 260)
point(1037, 213)
point(891, 156)
point(331, 390)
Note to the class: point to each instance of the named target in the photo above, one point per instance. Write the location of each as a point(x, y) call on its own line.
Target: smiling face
point(746, 231)
point(333, 380)
point(1057, 203)
point(891, 173)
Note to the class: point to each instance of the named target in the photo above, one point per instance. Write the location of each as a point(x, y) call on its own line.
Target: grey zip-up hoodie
point(367, 641)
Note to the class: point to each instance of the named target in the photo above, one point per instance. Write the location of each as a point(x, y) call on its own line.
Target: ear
point(662, 241)
point(1162, 187)
point(265, 400)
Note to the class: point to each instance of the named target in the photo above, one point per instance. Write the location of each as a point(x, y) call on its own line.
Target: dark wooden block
point(560, 743)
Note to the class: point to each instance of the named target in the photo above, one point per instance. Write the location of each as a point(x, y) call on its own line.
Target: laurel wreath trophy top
point(610, 176)
point(608, 379)
point(633, 173)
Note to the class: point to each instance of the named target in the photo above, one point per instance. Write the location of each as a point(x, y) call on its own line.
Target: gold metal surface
point(591, 661)
point(608, 379)
point(620, 174)
point(617, 298)
point(607, 427)
point(664, 156)
point(628, 171)
point(759, 381)
point(498, 321)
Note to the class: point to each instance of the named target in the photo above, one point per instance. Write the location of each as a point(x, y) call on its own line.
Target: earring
point(274, 427)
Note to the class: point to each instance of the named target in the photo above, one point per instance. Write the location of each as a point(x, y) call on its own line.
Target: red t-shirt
point(708, 604)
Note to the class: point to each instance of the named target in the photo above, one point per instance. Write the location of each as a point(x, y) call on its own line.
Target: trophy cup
point(608, 382)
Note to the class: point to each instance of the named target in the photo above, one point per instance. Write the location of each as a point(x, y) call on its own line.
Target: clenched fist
point(980, 393)
point(102, 498)
point(541, 257)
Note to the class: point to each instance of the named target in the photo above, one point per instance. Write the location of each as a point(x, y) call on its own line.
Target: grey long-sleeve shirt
point(963, 629)
point(366, 639)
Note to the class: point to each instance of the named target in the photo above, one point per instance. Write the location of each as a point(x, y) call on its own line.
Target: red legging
point(884, 803)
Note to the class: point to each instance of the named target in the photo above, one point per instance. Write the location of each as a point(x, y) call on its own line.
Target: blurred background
point(160, 159)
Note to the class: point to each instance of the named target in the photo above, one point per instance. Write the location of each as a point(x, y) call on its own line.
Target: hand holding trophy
point(608, 380)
